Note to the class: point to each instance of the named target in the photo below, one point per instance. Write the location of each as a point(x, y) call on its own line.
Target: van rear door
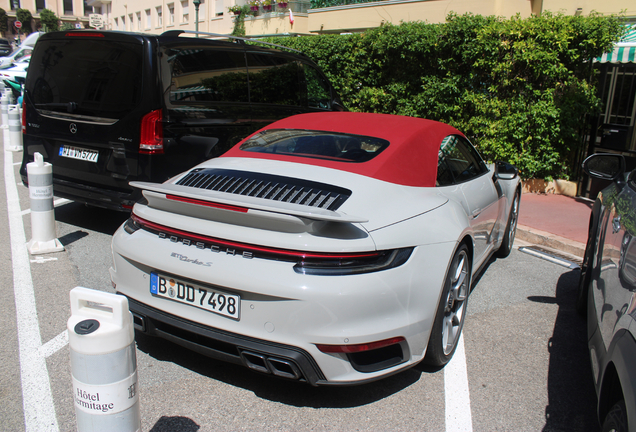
point(84, 100)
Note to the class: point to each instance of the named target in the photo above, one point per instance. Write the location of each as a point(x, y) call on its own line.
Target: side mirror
point(605, 166)
point(506, 171)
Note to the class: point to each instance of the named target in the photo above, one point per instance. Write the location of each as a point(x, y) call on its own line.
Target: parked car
point(607, 292)
point(15, 56)
point(106, 108)
point(17, 72)
point(5, 47)
point(332, 248)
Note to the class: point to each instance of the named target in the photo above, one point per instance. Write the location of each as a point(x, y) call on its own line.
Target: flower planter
point(254, 8)
point(282, 5)
point(267, 8)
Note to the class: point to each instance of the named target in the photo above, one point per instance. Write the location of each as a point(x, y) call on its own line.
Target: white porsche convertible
point(331, 248)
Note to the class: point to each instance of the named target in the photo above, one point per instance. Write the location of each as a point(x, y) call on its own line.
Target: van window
point(86, 78)
point(318, 89)
point(273, 79)
point(207, 75)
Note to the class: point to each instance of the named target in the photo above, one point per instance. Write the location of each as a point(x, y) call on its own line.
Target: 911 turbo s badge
point(193, 261)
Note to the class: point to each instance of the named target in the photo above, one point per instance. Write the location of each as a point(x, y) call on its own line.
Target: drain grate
point(553, 256)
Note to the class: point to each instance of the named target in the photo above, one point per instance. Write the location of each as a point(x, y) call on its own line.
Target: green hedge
point(518, 88)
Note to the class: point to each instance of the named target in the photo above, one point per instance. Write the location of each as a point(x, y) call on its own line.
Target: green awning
point(624, 51)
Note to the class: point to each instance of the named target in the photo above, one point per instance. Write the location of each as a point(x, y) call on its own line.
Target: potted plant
point(236, 9)
point(254, 4)
point(267, 5)
point(282, 5)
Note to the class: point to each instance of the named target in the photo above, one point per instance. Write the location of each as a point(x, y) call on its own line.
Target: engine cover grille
point(266, 186)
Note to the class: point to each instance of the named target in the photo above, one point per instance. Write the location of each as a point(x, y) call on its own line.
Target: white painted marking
point(40, 260)
point(54, 345)
point(17, 163)
point(37, 400)
point(458, 414)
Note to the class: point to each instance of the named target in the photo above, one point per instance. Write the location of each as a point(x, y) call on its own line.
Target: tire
point(584, 283)
point(451, 311)
point(587, 266)
point(511, 229)
point(616, 418)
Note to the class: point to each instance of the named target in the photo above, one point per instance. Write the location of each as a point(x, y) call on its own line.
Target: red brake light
point(151, 141)
point(349, 349)
point(207, 203)
point(85, 34)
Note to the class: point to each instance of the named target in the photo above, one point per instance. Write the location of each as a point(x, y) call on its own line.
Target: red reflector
point(348, 349)
point(85, 34)
point(207, 203)
point(151, 141)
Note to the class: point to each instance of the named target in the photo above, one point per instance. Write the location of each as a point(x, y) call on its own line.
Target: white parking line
point(457, 395)
point(37, 400)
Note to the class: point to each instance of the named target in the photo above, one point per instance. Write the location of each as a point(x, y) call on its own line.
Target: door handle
point(616, 224)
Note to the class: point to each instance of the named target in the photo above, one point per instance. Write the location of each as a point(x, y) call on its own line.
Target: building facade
point(292, 16)
point(72, 12)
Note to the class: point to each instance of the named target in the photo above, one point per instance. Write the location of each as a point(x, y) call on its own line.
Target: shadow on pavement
point(571, 395)
point(276, 389)
point(91, 218)
point(175, 424)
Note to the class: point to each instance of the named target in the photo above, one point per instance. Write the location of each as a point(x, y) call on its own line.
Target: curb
point(543, 238)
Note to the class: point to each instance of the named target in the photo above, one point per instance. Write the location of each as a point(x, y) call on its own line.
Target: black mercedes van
point(106, 108)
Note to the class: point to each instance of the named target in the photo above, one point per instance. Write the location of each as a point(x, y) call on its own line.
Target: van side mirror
point(505, 171)
point(605, 166)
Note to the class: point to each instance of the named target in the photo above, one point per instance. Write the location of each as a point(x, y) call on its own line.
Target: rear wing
point(164, 195)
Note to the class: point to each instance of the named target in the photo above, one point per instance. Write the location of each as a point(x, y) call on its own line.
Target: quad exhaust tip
point(279, 367)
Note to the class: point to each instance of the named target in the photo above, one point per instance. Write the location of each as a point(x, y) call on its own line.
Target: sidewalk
point(556, 221)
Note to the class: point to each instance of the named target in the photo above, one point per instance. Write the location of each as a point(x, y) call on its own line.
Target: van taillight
point(151, 133)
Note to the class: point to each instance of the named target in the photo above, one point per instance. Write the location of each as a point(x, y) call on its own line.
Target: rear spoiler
point(167, 191)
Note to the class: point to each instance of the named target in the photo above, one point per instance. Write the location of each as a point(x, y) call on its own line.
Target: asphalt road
point(525, 366)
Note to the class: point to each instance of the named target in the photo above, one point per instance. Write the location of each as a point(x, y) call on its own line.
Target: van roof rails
point(225, 36)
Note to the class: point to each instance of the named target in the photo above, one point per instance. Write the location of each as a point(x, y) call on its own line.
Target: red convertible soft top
point(410, 159)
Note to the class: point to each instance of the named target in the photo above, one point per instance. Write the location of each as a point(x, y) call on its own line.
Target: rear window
point(100, 79)
point(316, 144)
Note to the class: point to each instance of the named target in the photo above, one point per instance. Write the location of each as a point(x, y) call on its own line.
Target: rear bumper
point(93, 196)
point(263, 356)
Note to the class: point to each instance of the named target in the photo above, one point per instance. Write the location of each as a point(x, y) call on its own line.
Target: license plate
point(79, 153)
point(196, 295)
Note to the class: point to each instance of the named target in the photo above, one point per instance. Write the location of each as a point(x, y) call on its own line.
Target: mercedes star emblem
point(72, 127)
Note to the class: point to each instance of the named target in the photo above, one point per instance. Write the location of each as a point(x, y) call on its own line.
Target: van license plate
point(196, 295)
point(79, 153)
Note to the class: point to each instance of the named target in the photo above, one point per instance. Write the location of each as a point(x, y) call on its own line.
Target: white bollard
point(101, 336)
point(4, 109)
point(15, 129)
point(9, 94)
point(43, 233)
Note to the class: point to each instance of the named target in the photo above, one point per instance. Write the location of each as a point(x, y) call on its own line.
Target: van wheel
point(616, 418)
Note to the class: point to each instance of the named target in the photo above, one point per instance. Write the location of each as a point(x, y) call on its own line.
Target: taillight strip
point(289, 254)
point(207, 203)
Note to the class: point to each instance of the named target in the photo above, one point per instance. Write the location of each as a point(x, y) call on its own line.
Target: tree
point(3, 21)
point(25, 17)
point(49, 20)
